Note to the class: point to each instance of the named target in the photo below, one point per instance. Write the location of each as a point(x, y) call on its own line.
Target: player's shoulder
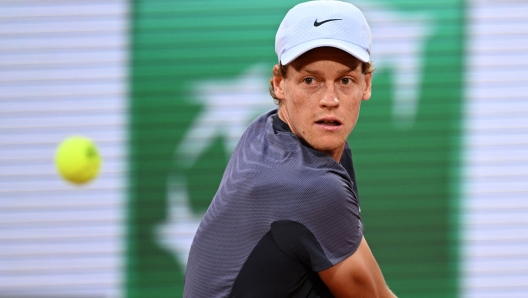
point(283, 159)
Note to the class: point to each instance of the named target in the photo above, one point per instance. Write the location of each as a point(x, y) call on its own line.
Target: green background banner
point(405, 170)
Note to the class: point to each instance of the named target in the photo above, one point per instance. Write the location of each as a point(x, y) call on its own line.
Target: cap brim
point(302, 48)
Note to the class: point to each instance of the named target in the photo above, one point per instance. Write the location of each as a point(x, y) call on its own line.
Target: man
point(286, 221)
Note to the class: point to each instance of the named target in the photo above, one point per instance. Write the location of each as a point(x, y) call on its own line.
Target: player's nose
point(329, 98)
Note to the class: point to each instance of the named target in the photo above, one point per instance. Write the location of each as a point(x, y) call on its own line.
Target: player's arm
point(357, 276)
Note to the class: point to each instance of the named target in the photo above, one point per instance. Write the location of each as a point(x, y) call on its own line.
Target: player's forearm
point(369, 284)
point(356, 291)
point(357, 276)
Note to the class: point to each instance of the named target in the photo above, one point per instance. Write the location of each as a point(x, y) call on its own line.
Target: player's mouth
point(329, 123)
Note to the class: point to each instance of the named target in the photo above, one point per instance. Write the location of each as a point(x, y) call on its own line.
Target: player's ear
point(278, 82)
point(368, 89)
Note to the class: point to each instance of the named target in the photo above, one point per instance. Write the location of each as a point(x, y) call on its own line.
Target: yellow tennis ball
point(78, 160)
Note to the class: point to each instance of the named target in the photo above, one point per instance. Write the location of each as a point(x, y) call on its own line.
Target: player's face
point(320, 97)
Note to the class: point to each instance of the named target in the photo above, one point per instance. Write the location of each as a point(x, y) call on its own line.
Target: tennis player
point(285, 221)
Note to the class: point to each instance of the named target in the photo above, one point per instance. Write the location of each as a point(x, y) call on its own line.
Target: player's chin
point(329, 143)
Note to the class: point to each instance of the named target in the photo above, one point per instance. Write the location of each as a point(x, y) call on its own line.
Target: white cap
point(316, 24)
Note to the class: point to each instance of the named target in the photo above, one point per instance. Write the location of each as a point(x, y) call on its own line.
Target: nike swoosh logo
point(317, 24)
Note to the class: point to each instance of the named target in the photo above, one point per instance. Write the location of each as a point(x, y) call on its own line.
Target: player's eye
point(346, 81)
point(308, 81)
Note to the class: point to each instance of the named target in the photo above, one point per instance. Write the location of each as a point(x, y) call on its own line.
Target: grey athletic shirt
point(282, 213)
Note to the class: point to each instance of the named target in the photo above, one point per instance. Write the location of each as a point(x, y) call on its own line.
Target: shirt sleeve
point(299, 244)
point(331, 213)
